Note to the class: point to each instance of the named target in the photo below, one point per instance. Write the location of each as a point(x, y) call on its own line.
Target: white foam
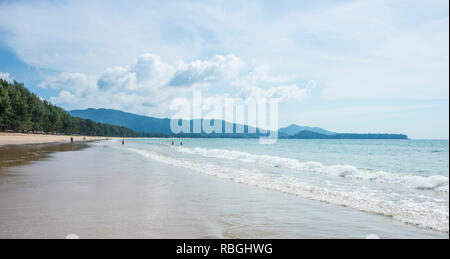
point(435, 182)
point(410, 208)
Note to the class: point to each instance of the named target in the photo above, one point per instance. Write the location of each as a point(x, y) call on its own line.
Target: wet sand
point(105, 191)
point(15, 155)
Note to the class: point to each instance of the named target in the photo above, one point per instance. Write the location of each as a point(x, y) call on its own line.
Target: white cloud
point(355, 49)
point(283, 93)
point(6, 76)
point(141, 87)
point(67, 81)
point(262, 75)
point(391, 48)
point(312, 84)
point(85, 36)
point(117, 78)
point(65, 97)
point(149, 67)
point(74, 88)
point(412, 64)
point(145, 73)
point(145, 86)
point(207, 71)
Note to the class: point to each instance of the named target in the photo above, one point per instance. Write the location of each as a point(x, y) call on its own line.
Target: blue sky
point(347, 66)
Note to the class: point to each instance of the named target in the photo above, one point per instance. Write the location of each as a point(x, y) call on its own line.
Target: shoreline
point(105, 184)
point(7, 139)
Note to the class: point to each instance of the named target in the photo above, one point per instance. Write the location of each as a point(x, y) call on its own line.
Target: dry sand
point(19, 139)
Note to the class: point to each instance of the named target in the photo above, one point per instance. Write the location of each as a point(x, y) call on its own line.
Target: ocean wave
point(435, 182)
point(422, 211)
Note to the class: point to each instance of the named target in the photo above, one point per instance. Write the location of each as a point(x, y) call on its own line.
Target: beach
point(105, 190)
point(21, 138)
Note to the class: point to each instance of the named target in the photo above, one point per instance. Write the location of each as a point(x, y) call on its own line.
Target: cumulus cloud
point(65, 97)
point(283, 93)
point(74, 88)
point(261, 75)
point(207, 71)
point(6, 76)
point(117, 78)
point(66, 81)
point(146, 72)
point(148, 85)
point(136, 87)
point(318, 39)
point(150, 67)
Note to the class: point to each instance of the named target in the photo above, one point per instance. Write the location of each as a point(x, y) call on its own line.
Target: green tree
point(22, 110)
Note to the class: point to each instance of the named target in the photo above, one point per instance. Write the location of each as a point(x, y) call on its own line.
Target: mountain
point(294, 129)
point(314, 135)
point(135, 122)
point(146, 124)
point(149, 126)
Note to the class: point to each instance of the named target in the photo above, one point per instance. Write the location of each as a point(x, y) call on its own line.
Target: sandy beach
point(21, 139)
point(102, 190)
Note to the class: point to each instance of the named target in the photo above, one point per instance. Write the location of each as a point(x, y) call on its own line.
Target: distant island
point(294, 129)
point(314, 135)
point(23, 111)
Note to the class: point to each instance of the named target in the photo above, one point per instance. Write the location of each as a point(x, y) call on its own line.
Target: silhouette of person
point(181, 143)
point(123, 141)
point(172, 143)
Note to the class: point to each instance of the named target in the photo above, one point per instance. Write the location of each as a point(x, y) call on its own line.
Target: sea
point(406, 181)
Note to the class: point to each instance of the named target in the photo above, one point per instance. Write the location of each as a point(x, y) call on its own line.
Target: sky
point(346, 66)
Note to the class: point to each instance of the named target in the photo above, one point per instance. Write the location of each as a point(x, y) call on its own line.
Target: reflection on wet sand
point(106, 191)
point(15, 155)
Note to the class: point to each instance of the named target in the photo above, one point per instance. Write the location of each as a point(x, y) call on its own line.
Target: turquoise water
point(406, 180)
point(421, 157)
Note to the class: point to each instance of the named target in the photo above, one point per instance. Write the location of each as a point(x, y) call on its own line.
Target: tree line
point(21, 110)
point(306, 134)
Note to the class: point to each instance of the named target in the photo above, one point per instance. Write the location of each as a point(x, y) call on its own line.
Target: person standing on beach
point(71, 143)
point(123, 141)
point(181, 143)
point(172, 143)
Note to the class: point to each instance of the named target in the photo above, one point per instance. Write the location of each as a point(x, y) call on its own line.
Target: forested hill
point(21, 110)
